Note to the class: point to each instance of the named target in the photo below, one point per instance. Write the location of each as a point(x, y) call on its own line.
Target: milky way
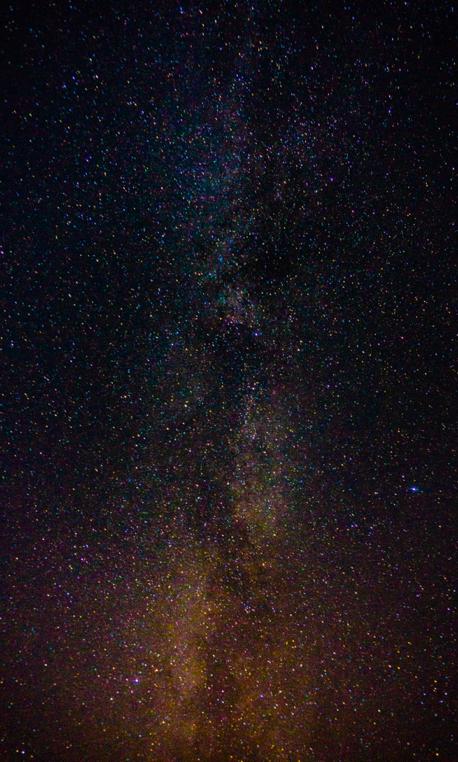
point(230, 388)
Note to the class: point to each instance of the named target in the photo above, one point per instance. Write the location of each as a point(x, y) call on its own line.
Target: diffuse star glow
point(230, 395)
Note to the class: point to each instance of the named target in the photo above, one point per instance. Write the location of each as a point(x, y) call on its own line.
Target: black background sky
point(229, 374)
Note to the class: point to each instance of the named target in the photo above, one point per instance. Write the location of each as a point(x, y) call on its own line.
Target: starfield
point(229, 381)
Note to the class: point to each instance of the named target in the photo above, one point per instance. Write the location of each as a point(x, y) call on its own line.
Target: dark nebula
point(229, 382)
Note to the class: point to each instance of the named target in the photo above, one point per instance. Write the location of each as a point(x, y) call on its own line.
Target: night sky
point(229, 381)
